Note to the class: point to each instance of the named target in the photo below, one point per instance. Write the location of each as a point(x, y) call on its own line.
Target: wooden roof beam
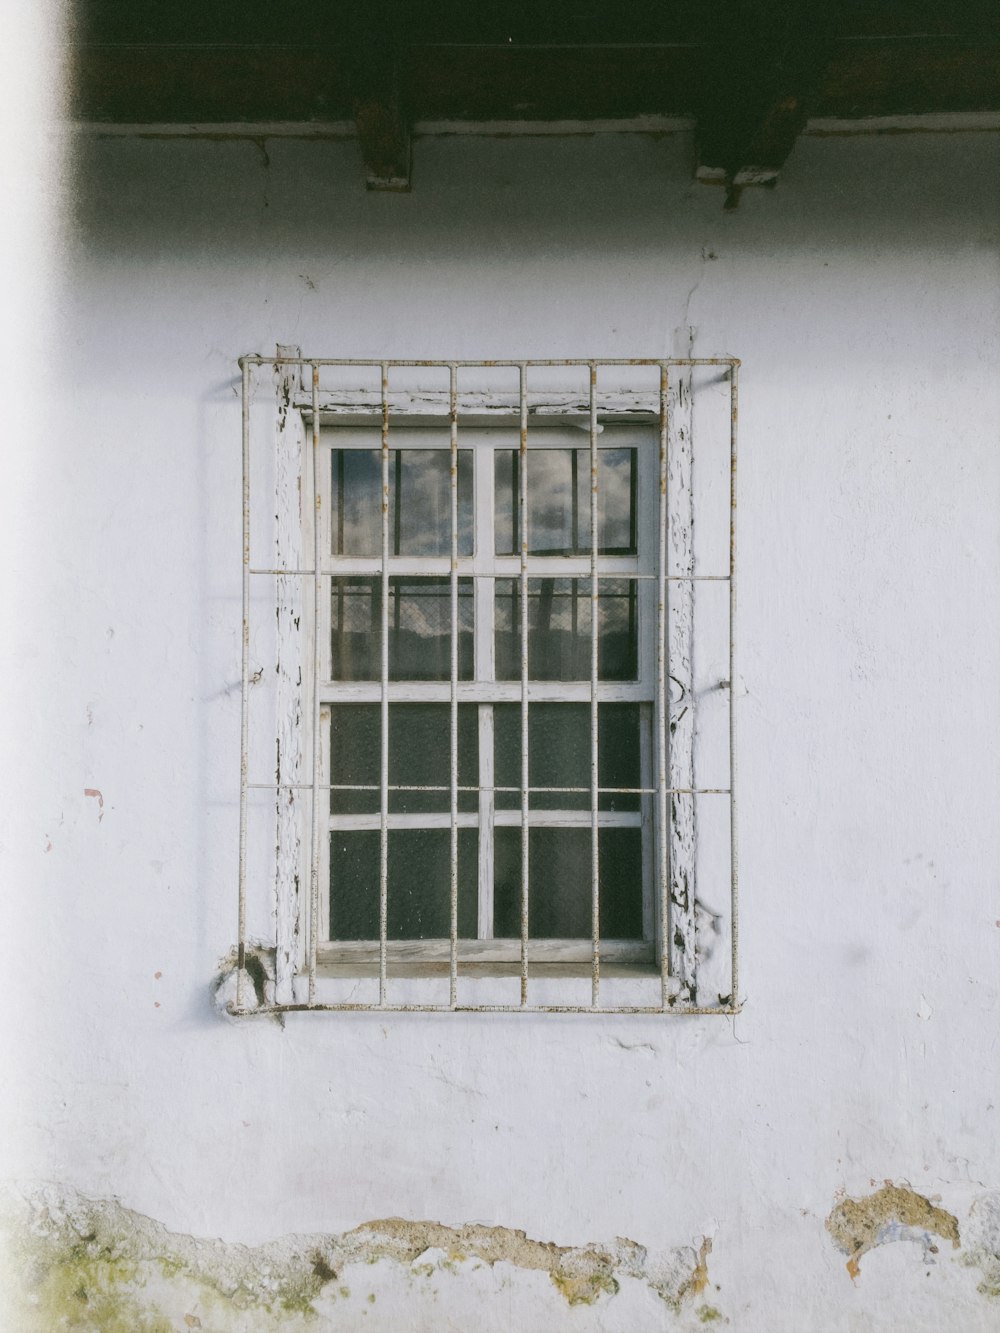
point(372, 44)
point(763, 88)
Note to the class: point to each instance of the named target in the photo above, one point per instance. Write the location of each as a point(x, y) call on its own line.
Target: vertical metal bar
point(453, 418)
point(595, 895)
point(317, 751)
point(383, 851)
point(662, 726)
point(522, 511)
point(733, 850)
point(484, 590)
point(241, 934)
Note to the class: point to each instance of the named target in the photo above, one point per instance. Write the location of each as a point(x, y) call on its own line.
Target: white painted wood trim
point(291, 666)
point(682, 826)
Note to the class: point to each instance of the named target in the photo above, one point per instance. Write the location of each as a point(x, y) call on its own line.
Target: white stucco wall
point(862, 297)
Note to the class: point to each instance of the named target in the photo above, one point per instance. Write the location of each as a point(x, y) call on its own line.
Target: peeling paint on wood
point(290, 752)
point(682, 821)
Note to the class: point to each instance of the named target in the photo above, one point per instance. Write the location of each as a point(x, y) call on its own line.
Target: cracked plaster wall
point(862, 296)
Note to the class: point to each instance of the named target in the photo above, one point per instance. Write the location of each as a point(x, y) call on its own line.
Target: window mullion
point(484, 604)
point(522, 511)
point(595, 630)
point(383, 869)
point(453, 763)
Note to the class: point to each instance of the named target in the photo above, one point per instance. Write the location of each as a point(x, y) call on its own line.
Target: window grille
point(487, 657)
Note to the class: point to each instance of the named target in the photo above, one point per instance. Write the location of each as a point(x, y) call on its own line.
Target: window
point(486, 716)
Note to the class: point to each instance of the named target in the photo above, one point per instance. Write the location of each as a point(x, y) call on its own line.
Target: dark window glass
point(419, 901)
point(559, 754)
point(419, 756)
point(559, 883)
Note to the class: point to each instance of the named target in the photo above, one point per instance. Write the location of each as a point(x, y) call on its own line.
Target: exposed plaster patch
point(982, 1239)
point(86, 1263)
point(258, 980)
point(894, 1212)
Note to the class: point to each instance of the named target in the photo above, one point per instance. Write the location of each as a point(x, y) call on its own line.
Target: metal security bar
point(659, 408)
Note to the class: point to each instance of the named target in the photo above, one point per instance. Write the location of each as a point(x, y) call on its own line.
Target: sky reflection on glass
point(419, 502)
point(559, 501)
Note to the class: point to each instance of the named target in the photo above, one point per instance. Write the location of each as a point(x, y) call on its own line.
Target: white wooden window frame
point(659, 427)
point(484, 567)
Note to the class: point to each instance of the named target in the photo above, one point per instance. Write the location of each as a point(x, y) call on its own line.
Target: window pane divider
point(383, 851)
point(522, 516)
point(453, 838)
point(595, 629)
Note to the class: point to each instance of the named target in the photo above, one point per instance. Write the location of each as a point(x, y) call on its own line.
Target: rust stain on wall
point(894, 1212)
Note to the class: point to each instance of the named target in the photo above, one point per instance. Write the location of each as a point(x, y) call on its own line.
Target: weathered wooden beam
point(372, 54)
point(767, 78)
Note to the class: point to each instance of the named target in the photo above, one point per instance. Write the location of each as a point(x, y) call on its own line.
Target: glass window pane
point(559, 883)
point(559, 629)
point(355, 628)
point(419, 502)
point(419, 756)
point(355, 749)
point(419, 628)
point(559, 754)
point(419, 903)
point(356, 510)
point(559, 501)
point(616, 496)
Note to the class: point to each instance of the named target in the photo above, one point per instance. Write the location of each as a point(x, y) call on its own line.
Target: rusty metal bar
point(317, 749)
point(595, 630)
point(359, 1008)
point(522, 509)
point(662, 838)
point(241, 930)
point(733, 848)
point(498, 363)
point(383, 850)
point(584, 791)
point(453, 833)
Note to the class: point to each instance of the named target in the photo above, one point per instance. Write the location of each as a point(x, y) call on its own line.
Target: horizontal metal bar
point(467, 569)
point(609, 1010)
point(604, 791)
point(500, 566)
point(254, 360)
